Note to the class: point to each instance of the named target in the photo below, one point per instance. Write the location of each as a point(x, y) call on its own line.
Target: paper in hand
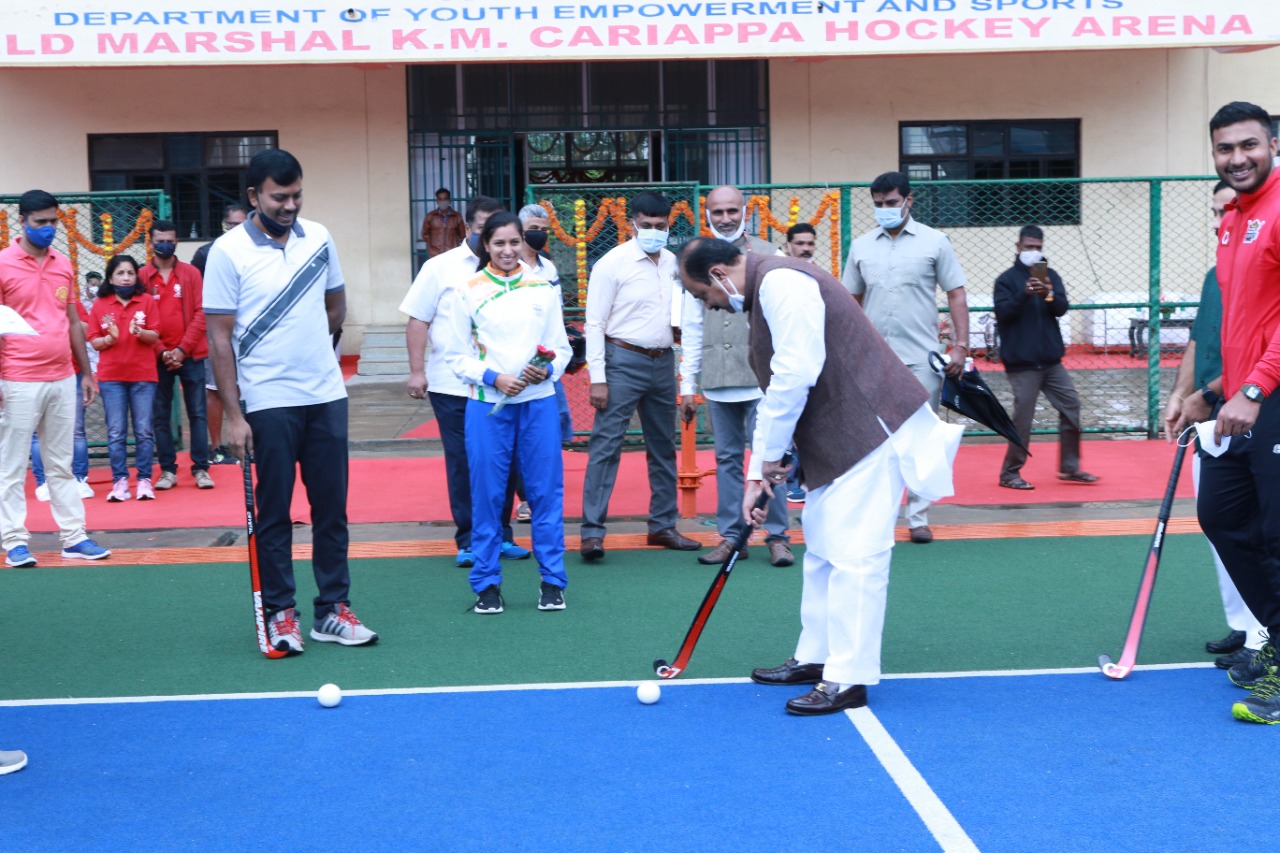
point(1204, 430)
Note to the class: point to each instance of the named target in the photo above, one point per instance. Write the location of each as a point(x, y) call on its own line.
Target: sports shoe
point(12, 760)
point(203, 480)
point(168, 479)
point(144, 491)
point(1246, 675)
point(489, 600)
point(42, 493)
point(20, 557)
point(1263, 704)
point(85, 549)
point(524, 515)
point(86, 491)
point(796, 496)
point(283, 633)
point(465, 558)
point(342, 626)
point(119, 491)
point(551, 598)
point(222, 456)
point(512, 551)
point(1238, 656)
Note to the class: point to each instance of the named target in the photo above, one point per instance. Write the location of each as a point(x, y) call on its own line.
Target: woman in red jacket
point(122, 330)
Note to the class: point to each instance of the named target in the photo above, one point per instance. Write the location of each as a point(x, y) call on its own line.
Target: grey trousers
point(917, 510)
point(734, 424)
point(636, 382)
point(1055, 382)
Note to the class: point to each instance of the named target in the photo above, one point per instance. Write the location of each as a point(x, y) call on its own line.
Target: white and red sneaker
point(283, 633)
point(342, 626)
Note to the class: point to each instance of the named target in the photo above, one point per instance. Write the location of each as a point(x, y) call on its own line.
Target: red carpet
point(412, 490)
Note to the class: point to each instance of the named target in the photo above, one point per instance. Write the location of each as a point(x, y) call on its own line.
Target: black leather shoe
point(921, 535)
point(671, 538)
point(1240, 655)
point(825, 699)
point(791, 672)
point(1233, 642)
point(592, 548)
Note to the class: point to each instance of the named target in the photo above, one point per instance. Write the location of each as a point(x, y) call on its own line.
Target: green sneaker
point(1248, 674)
point(1263, 704)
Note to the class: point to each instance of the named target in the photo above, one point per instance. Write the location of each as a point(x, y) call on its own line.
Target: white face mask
point(731, 238)
point(1030, 257)
point(651, 239)
point(736, 300)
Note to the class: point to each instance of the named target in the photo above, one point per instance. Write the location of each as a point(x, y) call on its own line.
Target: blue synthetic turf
point(1025, 763)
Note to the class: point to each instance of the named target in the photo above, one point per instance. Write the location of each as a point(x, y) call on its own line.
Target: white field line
point(946, 830)
point(571, 685)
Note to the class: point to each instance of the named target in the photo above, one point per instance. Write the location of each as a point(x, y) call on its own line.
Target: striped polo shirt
point(284, 353)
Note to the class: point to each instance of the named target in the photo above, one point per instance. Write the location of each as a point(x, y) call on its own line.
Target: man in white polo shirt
point(273, 296)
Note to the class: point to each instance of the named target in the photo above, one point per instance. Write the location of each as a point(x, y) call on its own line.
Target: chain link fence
point(1132, 253)
point(94, 227)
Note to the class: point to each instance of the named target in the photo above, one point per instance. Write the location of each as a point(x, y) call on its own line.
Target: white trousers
point(1239, 616)
point(50, 409)
point(916, 510)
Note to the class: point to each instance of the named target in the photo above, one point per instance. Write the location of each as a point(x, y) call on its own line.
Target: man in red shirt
point(1239, 500)
point(181, 353)
point(38, 384)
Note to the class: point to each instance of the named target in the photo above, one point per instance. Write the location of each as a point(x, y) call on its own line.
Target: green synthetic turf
point(114, 630)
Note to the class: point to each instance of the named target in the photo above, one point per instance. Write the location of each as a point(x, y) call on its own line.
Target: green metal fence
point(1132, 252)
point(94, 227)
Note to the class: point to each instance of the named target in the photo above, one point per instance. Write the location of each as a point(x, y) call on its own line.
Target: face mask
point(164, 249)
point(1030, 257)
point(651, 239)
point(890, 217)
point(275, 229)
point(730, 238)
point(124, 291)
point(536, 239)
point(228, 226)
point(41, 237)
point(473, 243)
point(736, 300)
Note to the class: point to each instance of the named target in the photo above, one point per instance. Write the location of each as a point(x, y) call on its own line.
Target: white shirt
point(797, 316)
point(423, 302)
point(897, 278)
point(631, 298)
point(497, 323)
point(284, 352)
point(693, 317)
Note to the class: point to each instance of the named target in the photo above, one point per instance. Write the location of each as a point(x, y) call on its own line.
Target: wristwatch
point(1253, 392)
point(1210, 396)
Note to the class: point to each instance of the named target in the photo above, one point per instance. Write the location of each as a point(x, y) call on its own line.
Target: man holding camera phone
point(1029, 299)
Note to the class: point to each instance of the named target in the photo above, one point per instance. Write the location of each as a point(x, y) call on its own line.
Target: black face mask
point(124, 291)
point(473, 243)
point(537, 239)
point(275, 229)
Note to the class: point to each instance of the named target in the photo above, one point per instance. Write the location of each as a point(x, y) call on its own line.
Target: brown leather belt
point(652, 353)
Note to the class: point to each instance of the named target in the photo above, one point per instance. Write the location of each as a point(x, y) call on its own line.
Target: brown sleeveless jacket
point(861, 383)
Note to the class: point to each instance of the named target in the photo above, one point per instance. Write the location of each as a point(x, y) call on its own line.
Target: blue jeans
point(125, 401)
point(191, 375)
point(79, 449)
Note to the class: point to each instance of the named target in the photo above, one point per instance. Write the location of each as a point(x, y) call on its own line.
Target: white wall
point(347, 126)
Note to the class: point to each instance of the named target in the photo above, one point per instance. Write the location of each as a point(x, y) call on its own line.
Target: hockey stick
point(666, 670)
point(1129, 656)
point(255, 580)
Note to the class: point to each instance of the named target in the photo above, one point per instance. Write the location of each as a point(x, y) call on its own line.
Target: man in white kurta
point(865, 431)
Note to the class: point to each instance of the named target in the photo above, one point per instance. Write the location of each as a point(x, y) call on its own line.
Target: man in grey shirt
point(894, 272)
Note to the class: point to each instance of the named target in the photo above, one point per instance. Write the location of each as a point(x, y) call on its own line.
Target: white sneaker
point(86, 491)
point(119, 491)
point(145, 492)
point(203, 480)
point(342, 626)
point(42, 493)
point(283, 634)
point(167, 480)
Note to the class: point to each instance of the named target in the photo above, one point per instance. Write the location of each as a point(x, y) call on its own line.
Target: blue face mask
point(889, 217)
point(651, 239)
point(41, 237)
point(473, 243)
point(124, 291)
point(164, 248)
point(275, 229)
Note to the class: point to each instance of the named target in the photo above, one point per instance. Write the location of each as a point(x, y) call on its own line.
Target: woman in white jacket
point(500, 316)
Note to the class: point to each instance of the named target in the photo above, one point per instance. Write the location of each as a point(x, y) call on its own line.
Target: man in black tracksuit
point(1027, 312)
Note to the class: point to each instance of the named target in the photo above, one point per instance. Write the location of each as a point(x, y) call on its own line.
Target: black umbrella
point(969, 395)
